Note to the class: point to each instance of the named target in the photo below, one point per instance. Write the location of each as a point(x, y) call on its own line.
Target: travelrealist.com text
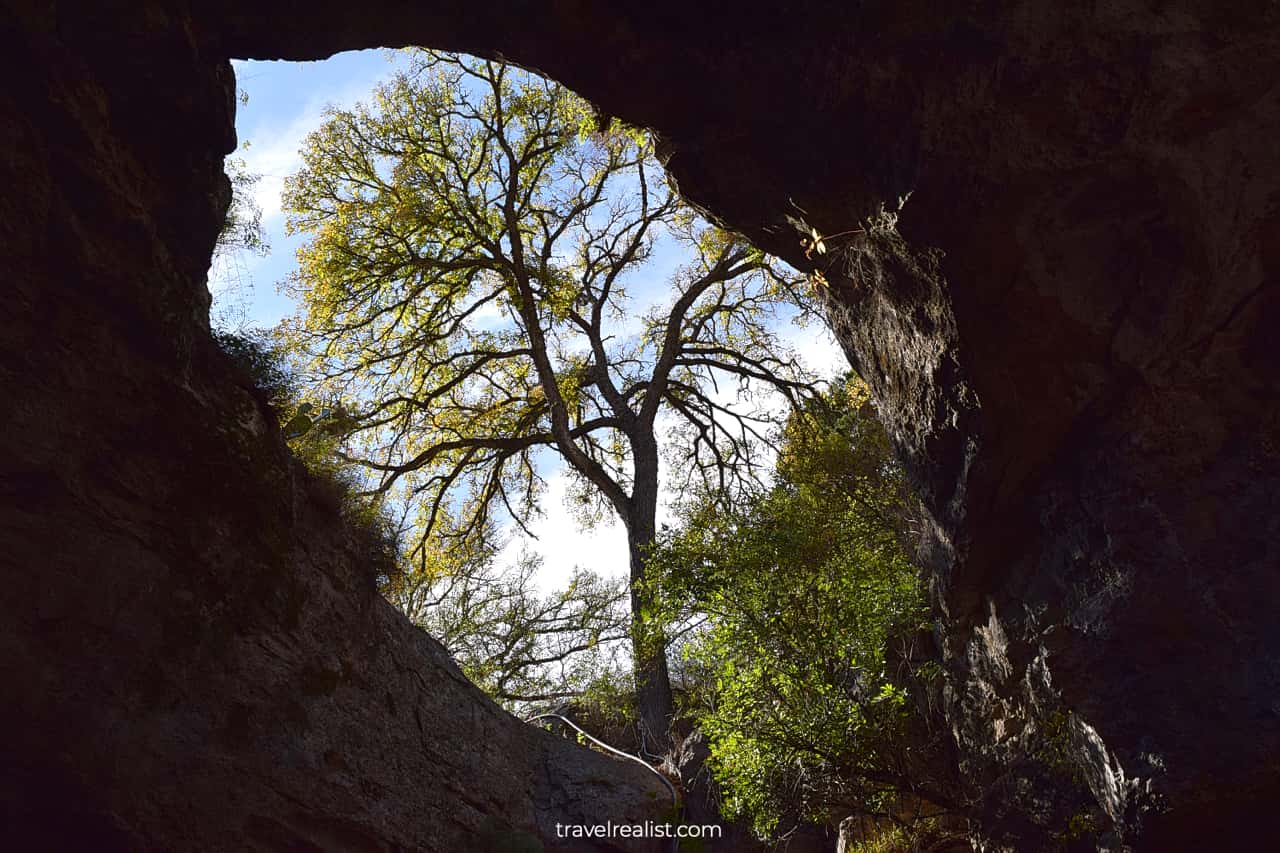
point(648, 829)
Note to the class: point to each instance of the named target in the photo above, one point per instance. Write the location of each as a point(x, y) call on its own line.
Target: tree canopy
point(471, 301)
point(798, 594)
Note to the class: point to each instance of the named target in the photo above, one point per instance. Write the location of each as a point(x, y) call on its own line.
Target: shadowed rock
point(1068, 333)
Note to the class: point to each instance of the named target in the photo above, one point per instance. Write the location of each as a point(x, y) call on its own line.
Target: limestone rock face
point(1054, 235)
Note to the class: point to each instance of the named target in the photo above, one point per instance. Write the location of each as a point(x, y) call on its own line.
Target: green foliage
point(607, 702)
point(261, 363)
point(314, 437)
point(1077, 815)
point(1056, 749)
point(892, 839)
point(801, 592)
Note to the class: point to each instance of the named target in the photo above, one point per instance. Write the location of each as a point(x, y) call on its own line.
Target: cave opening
point(1081, 299)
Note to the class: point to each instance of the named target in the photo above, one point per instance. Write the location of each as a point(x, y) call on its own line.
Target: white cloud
point(817, 348)
point(564, 545)
point(274, 155)
point(274, 145)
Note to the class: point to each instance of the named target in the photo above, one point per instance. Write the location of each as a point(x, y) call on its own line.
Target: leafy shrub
point(332, 482)
point(802, 590)
point(259, 361)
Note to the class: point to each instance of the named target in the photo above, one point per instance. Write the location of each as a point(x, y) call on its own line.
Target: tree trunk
point(654, 701)
point(653, 683)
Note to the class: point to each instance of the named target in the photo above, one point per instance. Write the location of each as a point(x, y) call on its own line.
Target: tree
point(242, 232)
point(242, 229)
point(520, 647)
point(799, 593)
point(465, 299)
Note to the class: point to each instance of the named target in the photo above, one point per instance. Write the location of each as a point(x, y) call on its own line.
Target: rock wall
point(192, 651)
point(1067, 329)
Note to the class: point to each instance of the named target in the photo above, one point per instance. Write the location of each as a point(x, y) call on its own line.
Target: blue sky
point(286, 101)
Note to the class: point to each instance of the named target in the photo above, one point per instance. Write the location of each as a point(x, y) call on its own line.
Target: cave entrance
point(290, 122)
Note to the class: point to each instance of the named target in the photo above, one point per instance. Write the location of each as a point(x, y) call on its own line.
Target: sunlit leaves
point(799, 592)
point(463, 285)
